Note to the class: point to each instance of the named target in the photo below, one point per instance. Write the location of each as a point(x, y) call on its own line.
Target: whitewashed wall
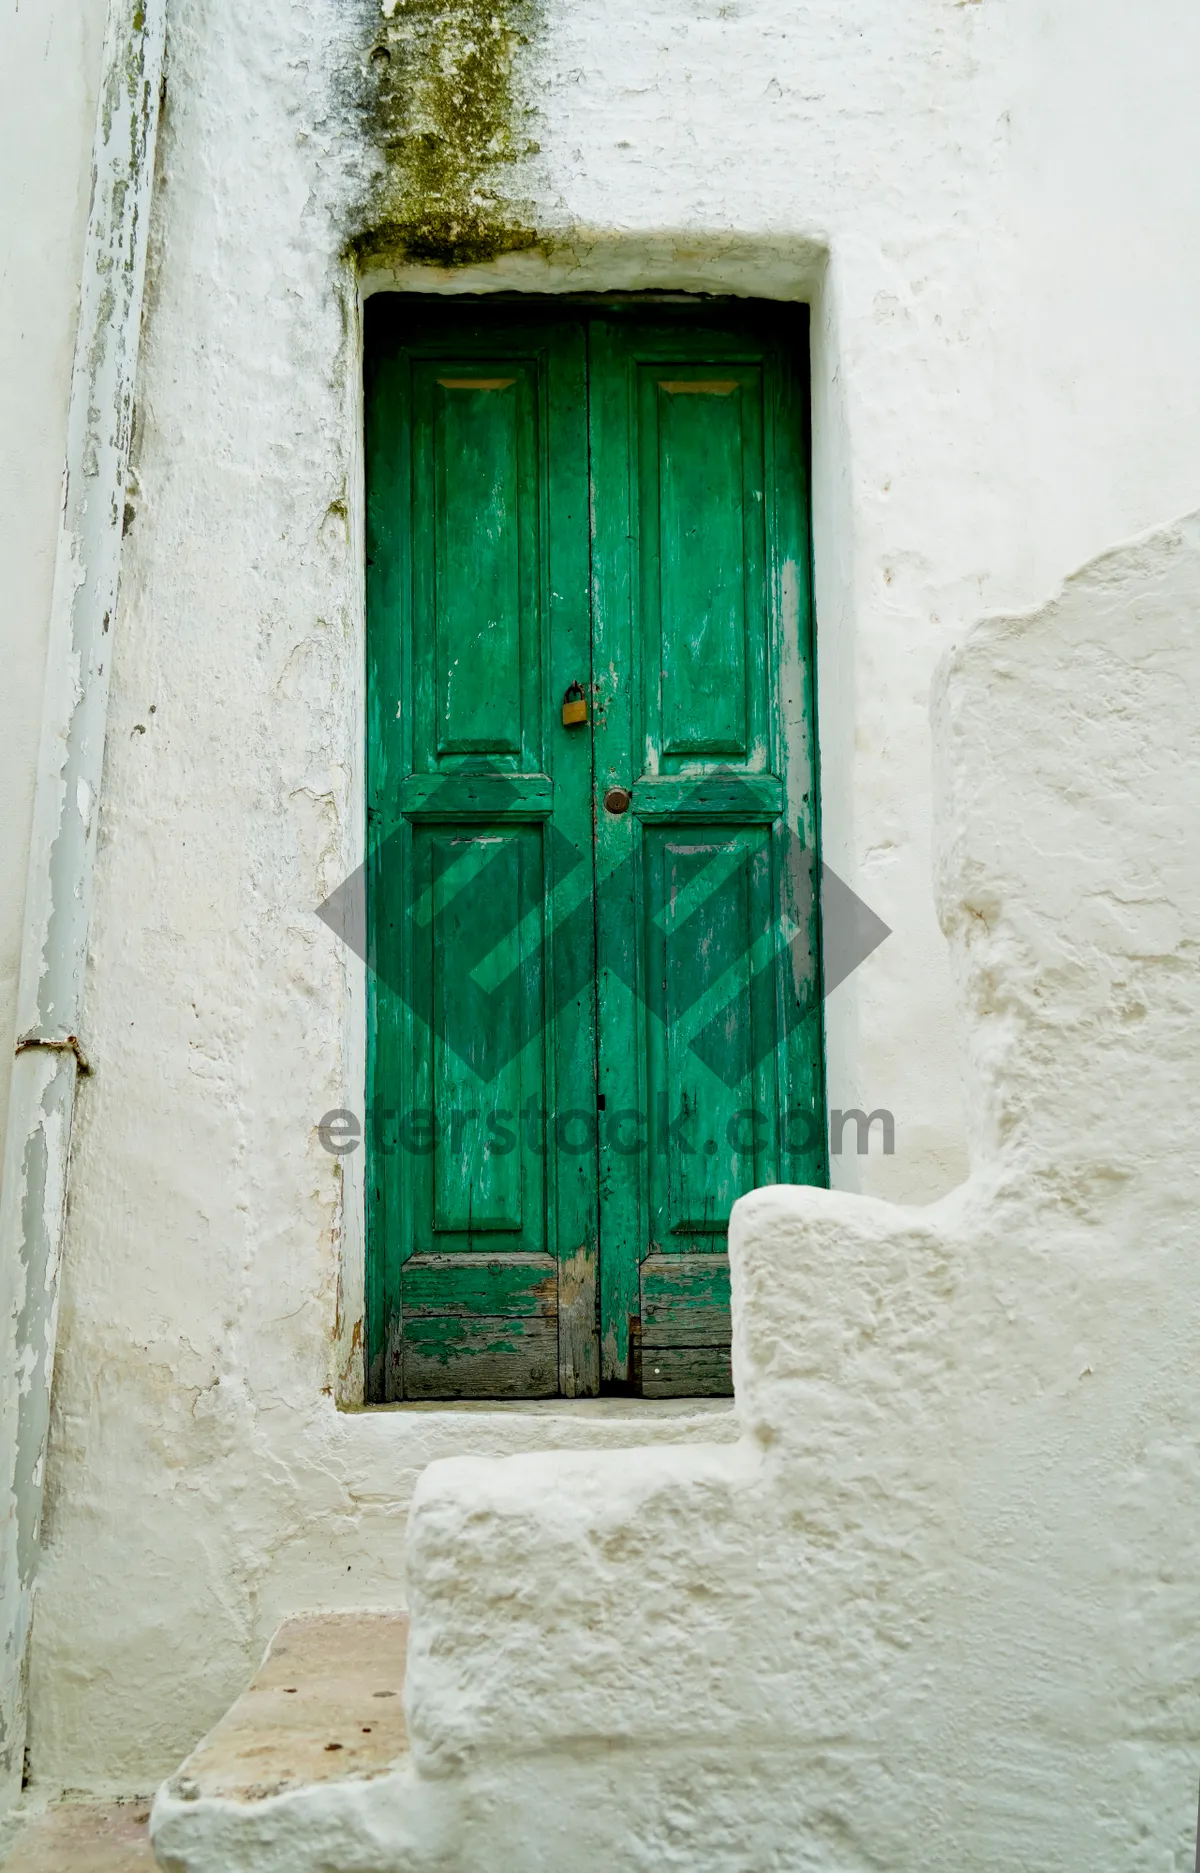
point(937, 1611)
point(989, 206)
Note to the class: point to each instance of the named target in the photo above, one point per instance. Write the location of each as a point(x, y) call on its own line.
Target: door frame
point(792, 320)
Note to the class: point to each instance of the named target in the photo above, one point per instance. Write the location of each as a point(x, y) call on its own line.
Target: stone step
point(325, 1710)
point(327, 1703)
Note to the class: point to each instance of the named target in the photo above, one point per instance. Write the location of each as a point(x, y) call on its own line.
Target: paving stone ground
point(326, 1703)
point(84, 1837)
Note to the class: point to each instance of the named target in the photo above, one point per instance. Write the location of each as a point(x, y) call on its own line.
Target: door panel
point(700, 538)
point(590, 1031)
point(708, 890)
point(478, 431)
point(706, 918)
point(485, 1003)
point(479, 837)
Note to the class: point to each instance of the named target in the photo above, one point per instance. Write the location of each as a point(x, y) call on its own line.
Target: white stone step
point(284, 1771)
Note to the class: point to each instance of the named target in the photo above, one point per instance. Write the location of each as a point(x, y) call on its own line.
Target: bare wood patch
point(698, 386)
point(686, 1372)
point(578, 1343)
point(476, 383)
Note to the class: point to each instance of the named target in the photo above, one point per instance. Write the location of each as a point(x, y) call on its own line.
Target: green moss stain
point(445, 103)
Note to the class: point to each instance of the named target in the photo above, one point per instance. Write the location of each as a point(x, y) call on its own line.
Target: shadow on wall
point(938, 1609)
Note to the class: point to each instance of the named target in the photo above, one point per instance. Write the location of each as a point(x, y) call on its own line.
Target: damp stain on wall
point(446, 105)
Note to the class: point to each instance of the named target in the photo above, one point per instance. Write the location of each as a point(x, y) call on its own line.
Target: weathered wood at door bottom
point(488, 1356)
point(479, 1326)
point(476, 1283)
point(682, 1344)
point(578, 1343)
point(451, 1348)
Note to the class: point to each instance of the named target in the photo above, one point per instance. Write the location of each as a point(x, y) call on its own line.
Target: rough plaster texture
point(1005, 380)
point(937, 1609)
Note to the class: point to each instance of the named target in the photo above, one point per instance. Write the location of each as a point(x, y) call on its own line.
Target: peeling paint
point(49, 1057)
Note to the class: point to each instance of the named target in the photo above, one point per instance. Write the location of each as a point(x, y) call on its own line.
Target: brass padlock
point(574, 705)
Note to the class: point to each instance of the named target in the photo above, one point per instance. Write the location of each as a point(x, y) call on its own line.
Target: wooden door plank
point(437, 1286)
point(467, 796)
point(687, 1372)
point(745, 799)
point(480, 1356)
point(685, 1326)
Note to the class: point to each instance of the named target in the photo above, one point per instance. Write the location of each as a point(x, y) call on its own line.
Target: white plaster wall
point(49, 74)
point(1004, 379)
point(937, 1611)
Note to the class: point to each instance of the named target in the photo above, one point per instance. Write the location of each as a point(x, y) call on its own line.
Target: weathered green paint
point(479, 618)
point(609, 967)
point(681, 1345)
point(702, 634)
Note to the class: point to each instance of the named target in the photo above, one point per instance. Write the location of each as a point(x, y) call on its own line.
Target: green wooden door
point(594, 1020)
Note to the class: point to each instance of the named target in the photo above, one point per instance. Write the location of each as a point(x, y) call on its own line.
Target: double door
point(594, 1013)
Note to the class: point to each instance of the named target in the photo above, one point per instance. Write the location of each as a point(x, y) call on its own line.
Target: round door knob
point(617, 799)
